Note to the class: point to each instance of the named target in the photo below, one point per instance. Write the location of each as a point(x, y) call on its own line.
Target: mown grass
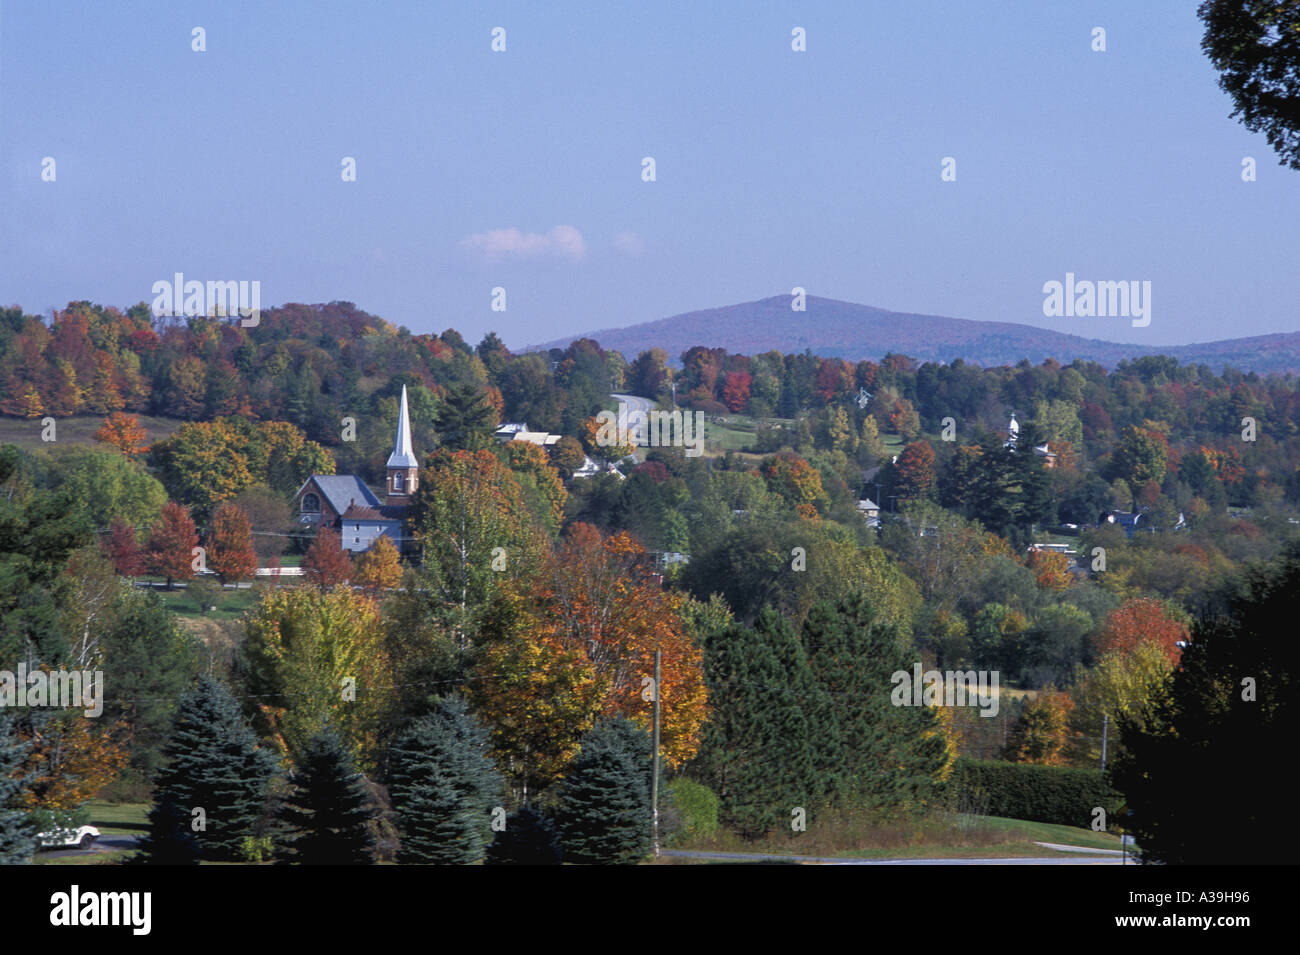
point(939, 835)
point(80, 429)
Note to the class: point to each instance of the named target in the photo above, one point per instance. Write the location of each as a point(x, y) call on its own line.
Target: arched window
point(310, 504)
point(397, 480)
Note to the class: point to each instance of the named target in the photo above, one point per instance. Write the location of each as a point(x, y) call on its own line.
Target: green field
point(80, 429)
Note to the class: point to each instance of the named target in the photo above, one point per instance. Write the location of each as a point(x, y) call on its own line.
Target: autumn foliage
point(123, 432)
point(1142, 620)
point(171, 544)
point(230, 546)
point(326, 564)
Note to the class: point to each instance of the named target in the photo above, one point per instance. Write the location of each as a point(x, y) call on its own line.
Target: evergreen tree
point(605, 815)
point(529, 838)
point(871, 754)
point(444, 787)
point(757, 752)
point(465, 420)
point(213, 763)
point(328, 809)
point(1212, 746)
point(17, 836)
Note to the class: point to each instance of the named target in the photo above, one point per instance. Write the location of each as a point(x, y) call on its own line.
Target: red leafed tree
point(123, 549)
point(230, 545)
point(1142, 620)
point(915, 471)
point(326, 564)
point(171, 544)
point(735, 390)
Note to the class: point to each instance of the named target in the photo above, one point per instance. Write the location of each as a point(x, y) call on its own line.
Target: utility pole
point(1105, 731)
point(654, 779)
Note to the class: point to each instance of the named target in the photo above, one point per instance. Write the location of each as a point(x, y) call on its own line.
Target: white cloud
point(629, 243)
point(562, 242)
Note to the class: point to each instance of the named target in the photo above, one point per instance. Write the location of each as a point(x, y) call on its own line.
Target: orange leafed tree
point(326, 564)
point(123, 432)
point(71, 758)
point(380, 567)
point(1142, 620)
point(601, 602)
point(171, 544)
point(230, 546)
point(1051, 569)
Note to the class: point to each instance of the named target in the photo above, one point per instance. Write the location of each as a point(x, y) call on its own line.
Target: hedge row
point(1027, 791)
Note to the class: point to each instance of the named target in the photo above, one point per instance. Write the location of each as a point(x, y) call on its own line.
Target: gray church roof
point(342, 489)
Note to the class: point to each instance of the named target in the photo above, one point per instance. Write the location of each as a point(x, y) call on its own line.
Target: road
point(106, 843)
point(636, 403)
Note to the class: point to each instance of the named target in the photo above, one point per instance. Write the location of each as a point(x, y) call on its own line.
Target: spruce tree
point(876, 755)
point(605, 799)
point(17, 836)
point(212, 762)
point(328, 809)
point(444, 787)
point(758, 747)
point(529, 838)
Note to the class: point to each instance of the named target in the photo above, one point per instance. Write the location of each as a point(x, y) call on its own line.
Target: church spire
point(403, 456)
point(403, 469)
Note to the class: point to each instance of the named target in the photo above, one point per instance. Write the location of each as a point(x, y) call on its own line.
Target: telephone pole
point(1105, 731)
point(654, 779)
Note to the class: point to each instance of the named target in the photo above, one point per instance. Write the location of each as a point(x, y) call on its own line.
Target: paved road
point(636, 403)
point(107, 843)
point(820, 860)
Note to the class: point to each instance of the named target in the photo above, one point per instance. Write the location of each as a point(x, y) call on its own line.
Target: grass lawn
point(944, 835)
point(119, 818)
point(80, 429)
point(230, 605)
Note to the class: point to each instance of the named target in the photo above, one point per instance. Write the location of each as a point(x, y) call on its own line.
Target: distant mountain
point(845, 330)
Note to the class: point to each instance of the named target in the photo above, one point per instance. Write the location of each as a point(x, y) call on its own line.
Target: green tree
point(444, 787)
point(1255, 46)
point(465, 420)
point(213, 764)
point(17, 835)
point(148, 661)
point(872, 754)
point(529, 838)
point(605, 799)
point(1228, 713)
point(757, 753)
point(328, 809)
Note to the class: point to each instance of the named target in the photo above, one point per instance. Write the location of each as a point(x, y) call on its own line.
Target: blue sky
point(774, 168)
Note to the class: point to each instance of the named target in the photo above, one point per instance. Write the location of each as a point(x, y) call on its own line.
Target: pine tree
point(605, 799)
point(17, 836)
point(213, 763)
point(444, 787)
point(529, 838)
point(465, 419)
point(872, 754)
point(328, 810)
point(758, 749)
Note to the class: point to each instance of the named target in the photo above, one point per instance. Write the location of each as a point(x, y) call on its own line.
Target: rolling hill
point(846, 330)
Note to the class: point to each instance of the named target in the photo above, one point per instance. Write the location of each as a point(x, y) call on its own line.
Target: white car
point(82, 837)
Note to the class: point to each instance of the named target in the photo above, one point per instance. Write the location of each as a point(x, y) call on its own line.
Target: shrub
point(1052, 794)
point(696, 808)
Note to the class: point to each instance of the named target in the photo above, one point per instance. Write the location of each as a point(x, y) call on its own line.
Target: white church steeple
point(403, 469)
